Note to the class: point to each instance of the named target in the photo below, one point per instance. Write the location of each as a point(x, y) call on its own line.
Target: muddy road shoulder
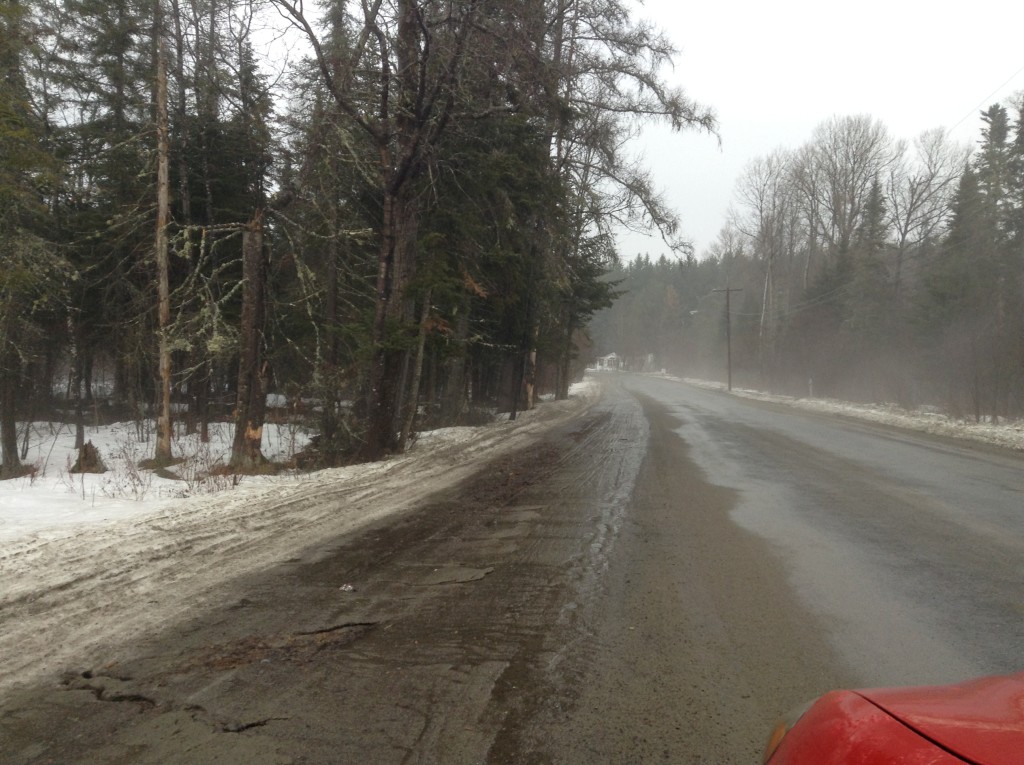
point(586, 599)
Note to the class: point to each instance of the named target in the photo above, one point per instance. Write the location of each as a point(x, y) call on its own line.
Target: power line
point(984, 101)
point(804, 305)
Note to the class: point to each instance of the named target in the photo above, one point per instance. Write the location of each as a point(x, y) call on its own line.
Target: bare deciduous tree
point(848, 155)
point(921, 186)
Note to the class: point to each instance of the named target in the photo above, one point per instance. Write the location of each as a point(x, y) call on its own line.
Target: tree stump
point(89, 460)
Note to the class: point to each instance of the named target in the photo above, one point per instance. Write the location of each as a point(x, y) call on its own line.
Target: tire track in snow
point(63, 599)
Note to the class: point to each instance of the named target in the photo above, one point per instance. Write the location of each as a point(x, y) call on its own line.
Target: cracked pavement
point(427, 637)
point(581, 598)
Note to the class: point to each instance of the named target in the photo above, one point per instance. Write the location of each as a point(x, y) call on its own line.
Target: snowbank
point(86, 567)
point(1007, 434)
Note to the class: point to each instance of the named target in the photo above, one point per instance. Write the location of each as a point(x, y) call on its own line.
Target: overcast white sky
point(775, 70)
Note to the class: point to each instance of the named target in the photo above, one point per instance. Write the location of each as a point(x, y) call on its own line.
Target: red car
point(980, 722)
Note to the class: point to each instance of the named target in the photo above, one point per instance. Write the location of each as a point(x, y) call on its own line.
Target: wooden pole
point(728, 331)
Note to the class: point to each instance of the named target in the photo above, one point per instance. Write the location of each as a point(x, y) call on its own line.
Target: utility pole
point(728, 331)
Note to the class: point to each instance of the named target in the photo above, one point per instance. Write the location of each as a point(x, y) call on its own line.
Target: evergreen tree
point(955, 308)
point(869, 298)
point(102, 73)
point(993, 164)
point(1015, 183)
point(33, 278)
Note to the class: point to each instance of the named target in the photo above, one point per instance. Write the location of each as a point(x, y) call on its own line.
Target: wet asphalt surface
point(654, 582)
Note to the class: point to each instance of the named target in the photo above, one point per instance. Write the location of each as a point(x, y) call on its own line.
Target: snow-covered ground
point(1008, 434)
point(89, 561)
point(103, 559)
point(53, 501)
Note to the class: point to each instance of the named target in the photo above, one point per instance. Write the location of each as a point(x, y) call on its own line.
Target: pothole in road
point(107, 687)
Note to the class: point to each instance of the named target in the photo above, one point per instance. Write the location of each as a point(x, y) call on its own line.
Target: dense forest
point(860, 267)
point(388, 214)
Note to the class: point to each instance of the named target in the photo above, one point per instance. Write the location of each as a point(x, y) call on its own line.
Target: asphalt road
point(653, 582)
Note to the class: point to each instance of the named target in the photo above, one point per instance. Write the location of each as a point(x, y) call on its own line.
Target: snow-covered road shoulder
point(1007, 434)
point(91, 573)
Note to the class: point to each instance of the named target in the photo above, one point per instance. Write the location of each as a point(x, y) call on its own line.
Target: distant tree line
point(871, 269)
point(409, 223)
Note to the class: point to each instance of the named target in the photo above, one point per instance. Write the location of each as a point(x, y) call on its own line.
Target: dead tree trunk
point(163, 438)
point(10, 374)
point(250, 409)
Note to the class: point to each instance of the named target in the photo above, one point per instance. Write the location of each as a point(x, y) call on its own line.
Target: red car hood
point(981, 721)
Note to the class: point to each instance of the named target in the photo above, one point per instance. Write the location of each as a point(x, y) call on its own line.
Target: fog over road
point(652, 581)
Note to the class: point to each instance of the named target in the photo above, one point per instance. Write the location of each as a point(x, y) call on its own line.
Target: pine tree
point(955, 311)
point(33, 278)
point(869, 297)
point(101, 70)
point(1015, 184)
point(993, 164)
